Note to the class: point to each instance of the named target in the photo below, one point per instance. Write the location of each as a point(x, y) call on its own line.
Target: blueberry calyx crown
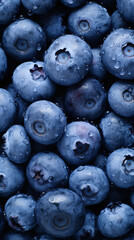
point(128, 50)
point(113, 206)
point(16, 224)
point(39, 128)
point(128, 95)
point(84, 25)
point(37, 72)
point(22, 45)
point(81, 148)
point(128, 163)
point(62, 56)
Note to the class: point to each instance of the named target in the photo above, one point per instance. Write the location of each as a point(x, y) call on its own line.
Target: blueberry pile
point(66, 120)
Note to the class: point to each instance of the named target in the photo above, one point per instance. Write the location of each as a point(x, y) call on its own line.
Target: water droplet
point(117, 65)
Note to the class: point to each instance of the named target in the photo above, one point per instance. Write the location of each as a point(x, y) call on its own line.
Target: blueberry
point(121, 98)
point(17, 236)
point(8, 9)
point(46, 237)
point(126, 9)
point(120, 167)
point(17, 144)
point(80, 143)
point(67, 60)
point(54, 24)
point(32, 83)
point(118, 53)
point(116, 220)
point(21, 104)
point(118, 21)
point(7, 110)
point(46, 171)
point(3, 64)
point(97, 69)
point(90, 183)
point(11, 177)
point(88, 99)
point(73, 3)
point(24, 39)
point(39, 6)
point(45, 122)
point(132, 198)
point(60, 213)
point(88, 231)
point(116, 131)
point(92, 22)
point(20, 212)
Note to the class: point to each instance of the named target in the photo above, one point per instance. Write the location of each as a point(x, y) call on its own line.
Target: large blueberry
point(24, 39)
point(73, 3)
point(90, 183)
point(17, 144)
point(97, 69)
point(11, 177)
point(8, 10)
point(44, 122)
point(116, 131)
point(126, 9)
point(67, 60)
point(7, 110)
point(121, 98)
point(20, 212)
point(32, 83)
point(92, 22)
point(118, 53)
point(3, 64)
point(88, 99)
point(46, 171)
point(60, 212)
point(39, 6)
point(80, 143)
point(120, 167)
point(116, 220)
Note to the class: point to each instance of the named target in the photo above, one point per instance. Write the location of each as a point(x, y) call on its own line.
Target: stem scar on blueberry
point(84, 25)
point(37, 72)
point(62, 56)
point(128, 50)
point(81, 148)
point(22, 45)
point(39, 128)
point(128, 163)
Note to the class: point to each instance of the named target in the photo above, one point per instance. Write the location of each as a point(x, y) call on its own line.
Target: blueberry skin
point(121, 98)
point(39, 6)
point(116, 220)
point(92, 22)
point(132, 198)
point(46, 237)
point(90, 183)
point(116, 131)
point(32, 83)
point(60, 213)
point(118, 53)
point(3, 64)
point(46, 171)
point(88, 99)
point(118, 21)
point(54, 24)
point(20, 212)
point(11, 177)
point(67, 60)
point(126, 9)
point(8, 9)
point(21, 104)
point(44, 122)
point(88, 231)
point(17, 236)
point(24, 39)
point(7, 110)
point(73, 3)
point(17, 144)
point(120, 167)
point(80, 143)
point(97, 69)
